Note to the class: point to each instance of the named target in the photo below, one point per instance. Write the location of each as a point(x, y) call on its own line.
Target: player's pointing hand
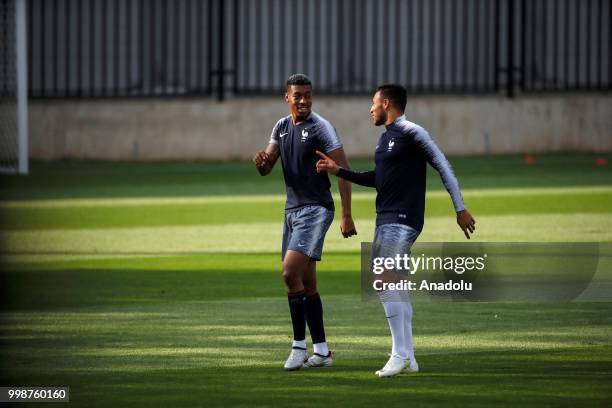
point(327, 164)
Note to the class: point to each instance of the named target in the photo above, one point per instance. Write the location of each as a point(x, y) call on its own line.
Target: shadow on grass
point(576, 377)
point(49, 289)
point(93, 179)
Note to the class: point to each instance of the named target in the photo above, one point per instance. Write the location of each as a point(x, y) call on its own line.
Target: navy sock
point(298, 311)
point(314, 317)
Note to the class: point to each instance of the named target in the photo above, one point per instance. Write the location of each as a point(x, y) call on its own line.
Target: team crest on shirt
point(304, 135)
point(391, 144)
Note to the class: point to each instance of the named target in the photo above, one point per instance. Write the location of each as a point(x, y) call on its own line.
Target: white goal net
point(13, 88)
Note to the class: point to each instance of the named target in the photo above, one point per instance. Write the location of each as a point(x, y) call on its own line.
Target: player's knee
point(310, 287)
point(290, 276)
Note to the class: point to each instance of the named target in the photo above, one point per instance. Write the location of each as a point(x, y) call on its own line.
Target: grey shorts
point(304, 230)
point(393, 239)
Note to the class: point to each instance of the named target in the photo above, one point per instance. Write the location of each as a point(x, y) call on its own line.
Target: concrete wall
point(168, 129)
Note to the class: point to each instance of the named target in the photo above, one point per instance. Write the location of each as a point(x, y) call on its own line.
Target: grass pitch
point(159, 285)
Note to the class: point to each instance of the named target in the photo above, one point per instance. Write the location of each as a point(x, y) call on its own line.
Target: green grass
point(190, 353)
point(155, 213)
point(159, 285)
point(123, 179)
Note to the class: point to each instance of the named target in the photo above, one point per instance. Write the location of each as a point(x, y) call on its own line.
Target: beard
point(381, 119)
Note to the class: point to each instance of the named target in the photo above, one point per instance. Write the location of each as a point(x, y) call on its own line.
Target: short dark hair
point(298, 79)
point(396, 94)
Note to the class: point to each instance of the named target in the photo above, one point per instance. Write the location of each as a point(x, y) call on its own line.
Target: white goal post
point(13, 87)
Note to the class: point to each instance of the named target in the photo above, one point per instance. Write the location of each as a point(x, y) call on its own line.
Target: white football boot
point(412, 367)
point(295, 360)
point(317, 360)
point(394, 366)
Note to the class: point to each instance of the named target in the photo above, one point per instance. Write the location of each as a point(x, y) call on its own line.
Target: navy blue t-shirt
point(297, 145)
point(401, 158)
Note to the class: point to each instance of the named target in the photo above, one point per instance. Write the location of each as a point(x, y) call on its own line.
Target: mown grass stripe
point(274, 198)
point(266, 237)
point(244, 211)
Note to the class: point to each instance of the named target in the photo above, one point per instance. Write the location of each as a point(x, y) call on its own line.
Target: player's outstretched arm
point(363, 178)
point(347, 226)
point(264, 160)
point(438, 161)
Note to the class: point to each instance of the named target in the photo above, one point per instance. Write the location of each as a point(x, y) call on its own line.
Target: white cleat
point(295, 360)
point(317, 360)
point(413, 367)
point(394, 366)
